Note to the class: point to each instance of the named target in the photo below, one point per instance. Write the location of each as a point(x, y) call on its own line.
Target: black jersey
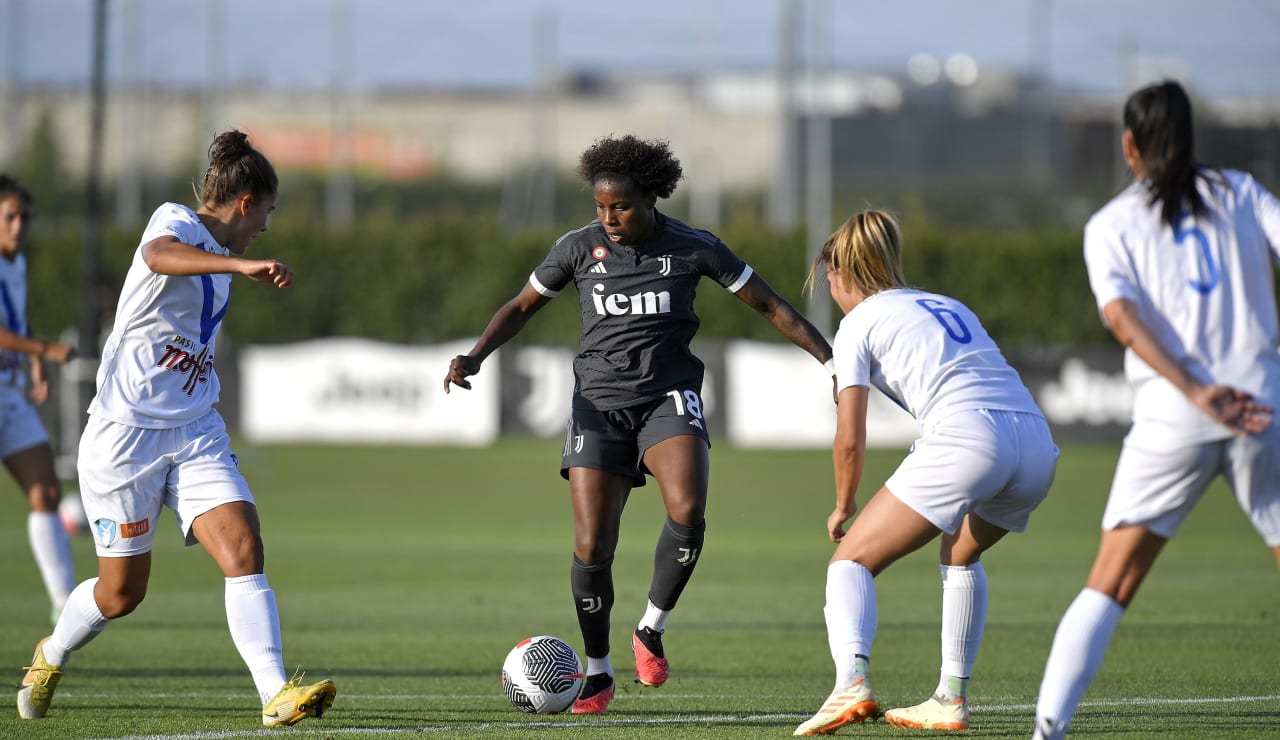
point(637, 307)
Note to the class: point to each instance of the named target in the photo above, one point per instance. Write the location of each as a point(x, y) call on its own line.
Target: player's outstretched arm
point(785, 318)
point(166, 255)
point(507, 321)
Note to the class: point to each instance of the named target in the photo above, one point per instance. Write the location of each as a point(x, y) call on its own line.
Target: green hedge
point(441, 279)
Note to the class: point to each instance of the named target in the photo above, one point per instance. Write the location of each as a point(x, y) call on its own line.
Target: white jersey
point(929, 354)
point(13, 312)
point(157, 366)
point(1206, 291)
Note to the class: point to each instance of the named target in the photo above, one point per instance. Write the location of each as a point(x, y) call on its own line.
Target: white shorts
point(128, 474)
point(997, 465)
point(1157, 486)
point(20, 425)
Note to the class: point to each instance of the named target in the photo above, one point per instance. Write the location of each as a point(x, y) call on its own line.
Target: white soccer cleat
point(850, 705)
point(931, 714)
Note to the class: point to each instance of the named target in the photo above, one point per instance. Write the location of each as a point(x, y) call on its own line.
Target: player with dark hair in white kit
point(1181, 264)
point(637, 401)
point(153, 438)
point(24, 443)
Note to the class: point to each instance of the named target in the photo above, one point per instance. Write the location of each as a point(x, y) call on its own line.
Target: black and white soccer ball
point(542, 675)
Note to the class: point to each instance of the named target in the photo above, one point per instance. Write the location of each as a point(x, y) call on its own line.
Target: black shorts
point(615, 440)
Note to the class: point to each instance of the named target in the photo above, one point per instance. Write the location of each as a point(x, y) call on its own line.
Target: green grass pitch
point(406, 574)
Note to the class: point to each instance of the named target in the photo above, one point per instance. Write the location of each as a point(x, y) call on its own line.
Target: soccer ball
point(71, 512)
point(542, 675)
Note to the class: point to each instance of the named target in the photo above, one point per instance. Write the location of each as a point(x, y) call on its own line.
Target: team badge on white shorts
point(106, 531)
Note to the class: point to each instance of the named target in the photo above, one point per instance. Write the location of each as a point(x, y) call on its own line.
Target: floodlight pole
point(783, 205)
point(541, 202)
point(91, 254)
point(818, 169)
point(78, 375)
point(340, 188)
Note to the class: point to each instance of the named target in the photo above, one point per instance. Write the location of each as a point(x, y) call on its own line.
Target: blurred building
point(938, 126)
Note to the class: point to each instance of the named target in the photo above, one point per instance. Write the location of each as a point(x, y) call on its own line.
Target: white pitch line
point(541, 725)
point(496, 696)
point(1130, 702)
point(624, 722)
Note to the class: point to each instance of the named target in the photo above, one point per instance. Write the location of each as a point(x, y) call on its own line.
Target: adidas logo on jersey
point(598, 268)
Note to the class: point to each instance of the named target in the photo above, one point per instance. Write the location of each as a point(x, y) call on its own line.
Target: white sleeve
point(1107, 261)
point(168, 221)
point(852, 360)
point(1266, 209)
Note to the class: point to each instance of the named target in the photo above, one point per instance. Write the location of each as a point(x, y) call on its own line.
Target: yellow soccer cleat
point(849, 705)
point(295, 702)
point(931, 714)
point(36, 690)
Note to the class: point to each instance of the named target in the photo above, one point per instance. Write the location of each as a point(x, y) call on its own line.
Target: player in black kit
point(637, 406)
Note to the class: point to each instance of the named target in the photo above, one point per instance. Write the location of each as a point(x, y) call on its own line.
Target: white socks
point(81, 621)
point(599, 665)
point(964, 614)
point(1078, 649)
point(654, 618)
point(52, 551)
point(851, 619)
point(255, 630)
point(251, 615)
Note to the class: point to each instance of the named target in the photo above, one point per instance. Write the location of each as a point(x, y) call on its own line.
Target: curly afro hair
point(648, 163)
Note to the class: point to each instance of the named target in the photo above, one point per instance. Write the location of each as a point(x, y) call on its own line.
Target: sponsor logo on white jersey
point(197, 367)
point(620, 304)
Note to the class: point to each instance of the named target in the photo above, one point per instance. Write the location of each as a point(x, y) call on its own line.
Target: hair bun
point(229, 146)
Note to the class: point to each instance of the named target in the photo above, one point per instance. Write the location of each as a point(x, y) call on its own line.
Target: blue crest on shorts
point(106, 531)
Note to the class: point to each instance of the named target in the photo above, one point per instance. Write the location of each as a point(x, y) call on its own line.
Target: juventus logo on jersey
point(665, 261)
point(598, 268)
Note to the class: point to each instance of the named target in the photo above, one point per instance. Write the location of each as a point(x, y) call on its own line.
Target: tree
point(40, 168)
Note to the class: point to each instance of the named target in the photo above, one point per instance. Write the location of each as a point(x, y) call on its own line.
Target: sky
point(1217, 47)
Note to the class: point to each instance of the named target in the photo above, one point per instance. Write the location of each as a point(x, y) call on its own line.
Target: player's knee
point(43, 496)
point(242, 558)
point(591, 549)
point(689, 512)
point(118, 602)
